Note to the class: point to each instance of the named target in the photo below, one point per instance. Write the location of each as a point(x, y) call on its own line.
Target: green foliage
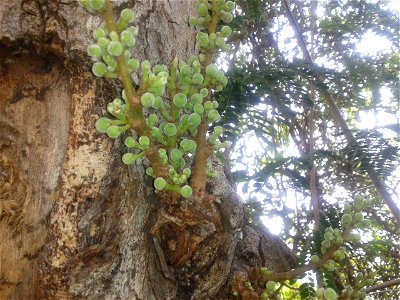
point(306, 291)
point(373, 153)
point(273, 105)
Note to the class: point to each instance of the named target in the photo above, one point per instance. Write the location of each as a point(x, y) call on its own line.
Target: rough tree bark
point(74, 222)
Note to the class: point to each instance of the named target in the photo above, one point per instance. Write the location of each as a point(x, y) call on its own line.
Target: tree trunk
point(75, 223)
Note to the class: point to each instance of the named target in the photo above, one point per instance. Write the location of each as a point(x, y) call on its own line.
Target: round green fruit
point(145, 65)
point(127, 15)
point(229, 6)
point(130, 142)
point(147, 100)
point(170, 129)
point(186, 191)
point(96, 4)
point(175, 155)
point(152, 120)
point(347, 208)
point(157, 69)
point(358, 217)
point(129, 158)
point(144, 141)
point(214, 116)
point(264, 271)
point(202, 10)
point(198, 109)
point(220, 42)
point(330, 294)
point(113, 132)
point(115, 48)
point(103, 42)
point(150, 171)
point(114, 36)
point(186, 172)
point(346, 220)
point(102, 125)
point(84, 3)
point(175, 179)
point(182, 179)
point(180, 100)
point(328, 236)
point(208, 105)
point(198, 78)
point(218, 130)
point(330, 265)
point(270, 286)
point(264, 295)
point(227, 17)
point(99, 69)
point(359, 203)
point(203, 39)
point(196, 98)
point(95, 51)
point(211, 69)
point(226, 31)
point(188, 146)
point(111, 108)
point(196, 21)
point(160, 183)
point(218, 76)
point(365, 223)
point(204, 92)
point(133, 64)
point(194, 119)
point(99, 33)
point(202, 57)
point(127, 38)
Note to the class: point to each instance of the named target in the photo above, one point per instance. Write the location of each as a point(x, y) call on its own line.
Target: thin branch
point(311, 266)
point(311, 128)
point(382, 285)
point(297, 32)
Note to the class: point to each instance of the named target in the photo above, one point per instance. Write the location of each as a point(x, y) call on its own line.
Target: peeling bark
point(74, 222)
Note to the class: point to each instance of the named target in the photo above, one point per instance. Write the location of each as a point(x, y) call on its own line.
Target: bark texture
point(74, 222)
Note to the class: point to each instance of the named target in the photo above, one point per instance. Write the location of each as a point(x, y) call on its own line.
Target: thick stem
point(203, 150)
point(134, 102)
point(135, 115)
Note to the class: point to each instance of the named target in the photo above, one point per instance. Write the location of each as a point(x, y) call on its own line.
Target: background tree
point(76, 223)
point(304, 117)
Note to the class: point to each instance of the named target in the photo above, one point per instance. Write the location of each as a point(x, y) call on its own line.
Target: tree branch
point(382, 285)
point(311, 266)
point(311, 128)
point(203, 148)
